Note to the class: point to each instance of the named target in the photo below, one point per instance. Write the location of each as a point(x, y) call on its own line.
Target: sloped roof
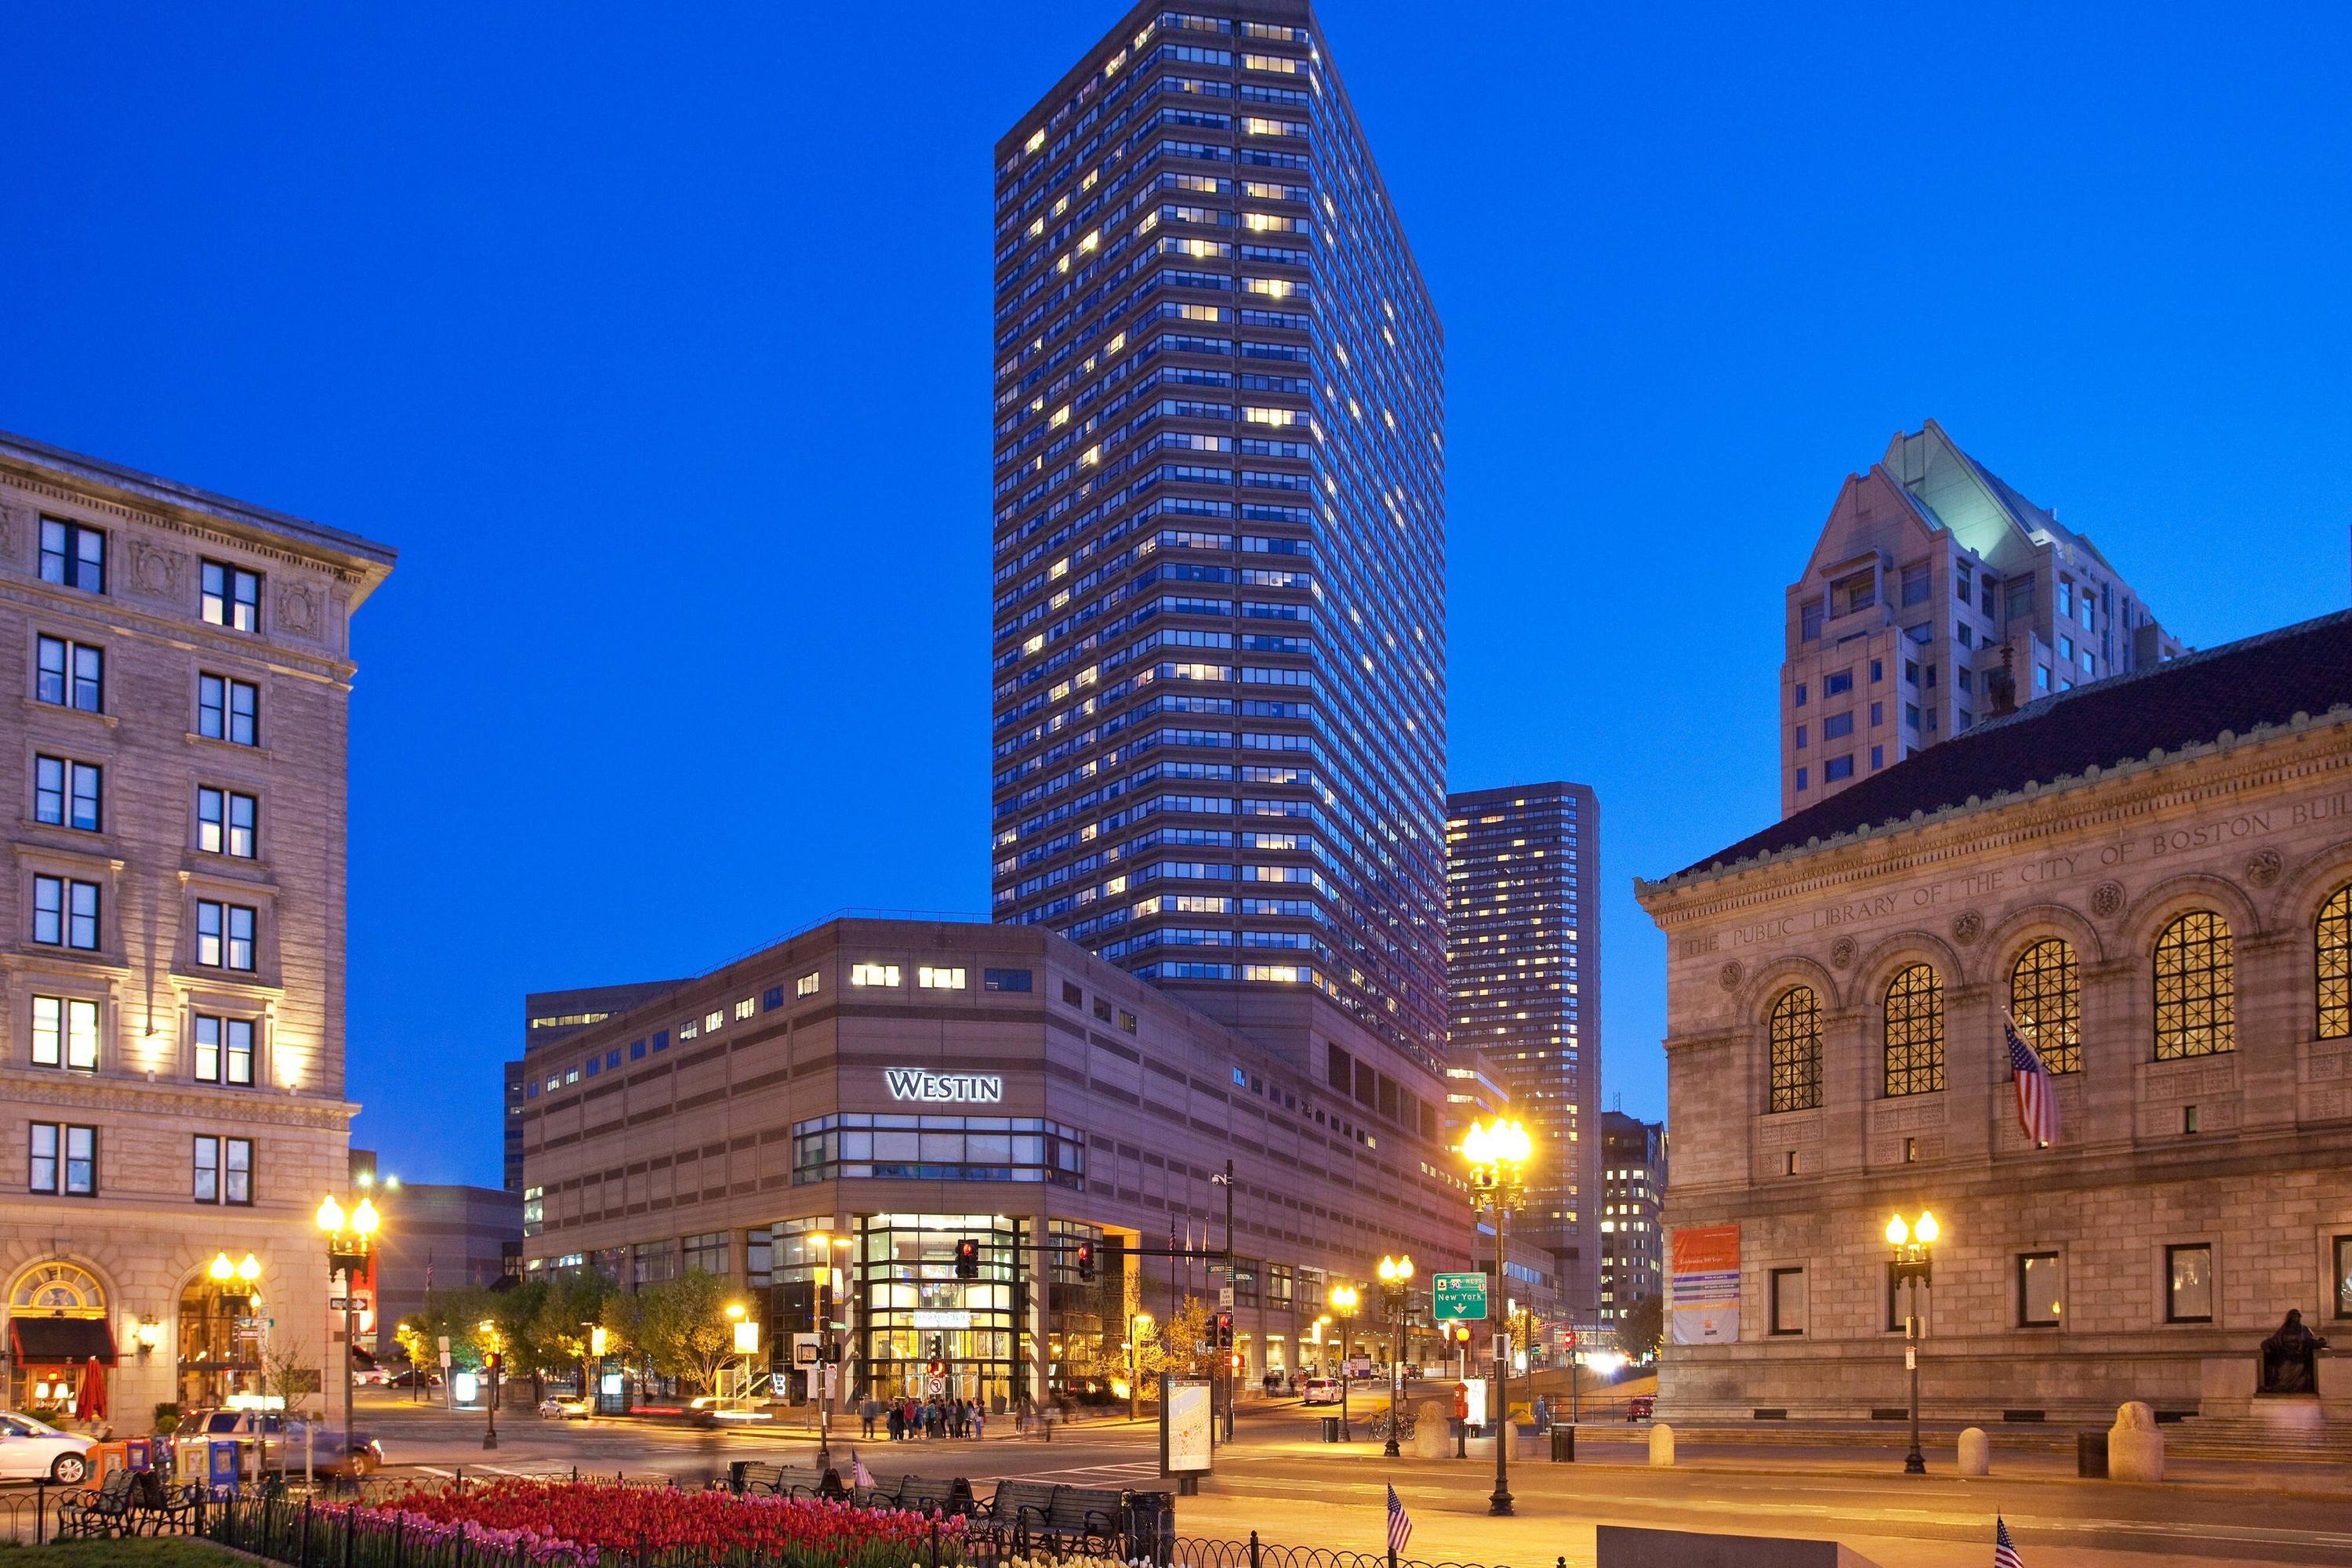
point(2262, 680)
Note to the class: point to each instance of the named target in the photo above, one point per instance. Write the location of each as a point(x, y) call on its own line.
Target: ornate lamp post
point(350, 1239)
point(1138, 1325)
point(1344, 1300)
point(1499, 1156)
point(489, 1332)
point(1915, 1265)
point(1396, 1281)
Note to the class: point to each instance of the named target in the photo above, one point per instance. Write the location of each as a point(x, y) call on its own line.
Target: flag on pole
point(2005, 1550)
point(1399, 1523)
point(858, 1474)
point(2037, 1092)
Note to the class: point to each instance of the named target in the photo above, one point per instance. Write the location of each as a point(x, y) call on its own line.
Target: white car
point(557, 1407)
point(33, 1450)
point(1322, 1391)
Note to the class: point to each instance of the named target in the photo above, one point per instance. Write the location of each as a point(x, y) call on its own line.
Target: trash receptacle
point(1563, 1444)
point(2091, 1454)
point(1330, 1428)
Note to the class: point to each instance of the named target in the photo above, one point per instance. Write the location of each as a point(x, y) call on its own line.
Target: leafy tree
point(1642, 1328)
point(459, 1313)
point(681, 1326)
point(1176, 1349)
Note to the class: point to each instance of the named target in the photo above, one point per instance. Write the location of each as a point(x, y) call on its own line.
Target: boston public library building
point(2151, 876)
point(904, 1086)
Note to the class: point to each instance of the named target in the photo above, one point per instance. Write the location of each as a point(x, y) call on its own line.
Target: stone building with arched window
point(2152, 877)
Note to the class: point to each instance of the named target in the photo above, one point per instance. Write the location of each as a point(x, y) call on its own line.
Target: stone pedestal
point(1975, 1457)
point(2134, 1445)
point(1662, 1444)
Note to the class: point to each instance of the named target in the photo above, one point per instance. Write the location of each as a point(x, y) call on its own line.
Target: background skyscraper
point(1932, 583)
point(1219, 659)
point(1524, 959)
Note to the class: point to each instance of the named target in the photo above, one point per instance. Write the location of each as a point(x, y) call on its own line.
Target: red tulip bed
point(571, 1524)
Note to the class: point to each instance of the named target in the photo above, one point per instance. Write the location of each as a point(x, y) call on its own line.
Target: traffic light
point(1086, 1262)
point(967, 1260)
point(1224, 1331)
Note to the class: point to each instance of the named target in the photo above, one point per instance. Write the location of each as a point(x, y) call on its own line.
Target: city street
point(1278, 1479)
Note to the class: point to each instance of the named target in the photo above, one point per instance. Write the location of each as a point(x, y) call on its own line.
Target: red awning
point(60, 1341)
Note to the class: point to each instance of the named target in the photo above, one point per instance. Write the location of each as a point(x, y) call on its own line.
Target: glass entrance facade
point(923, 1330)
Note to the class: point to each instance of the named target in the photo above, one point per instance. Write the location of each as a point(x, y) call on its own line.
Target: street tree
point(1642, 1328)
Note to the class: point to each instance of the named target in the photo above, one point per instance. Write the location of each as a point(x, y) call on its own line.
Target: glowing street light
point(1396, 1284)
point(1499, 1152)
point(1343, 1299)
point(1913, 1242)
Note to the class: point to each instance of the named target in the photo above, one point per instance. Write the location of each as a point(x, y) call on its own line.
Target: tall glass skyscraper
point(1524, 953)
point(1220, 614)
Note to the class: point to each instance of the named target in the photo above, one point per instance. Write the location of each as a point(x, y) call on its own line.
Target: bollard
point(1662, 1446)
point(1976, 1452)
point(2134, 1445)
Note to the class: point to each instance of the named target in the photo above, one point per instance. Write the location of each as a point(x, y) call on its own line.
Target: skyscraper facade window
point(1524, 960)
point(1219, 655)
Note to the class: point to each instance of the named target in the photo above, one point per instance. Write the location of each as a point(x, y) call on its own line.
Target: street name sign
point(1460, 1297)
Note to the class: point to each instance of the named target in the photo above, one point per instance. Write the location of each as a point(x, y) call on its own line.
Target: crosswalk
point(1117, 1475)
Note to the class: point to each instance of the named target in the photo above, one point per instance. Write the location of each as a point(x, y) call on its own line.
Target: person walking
point(867, 1412)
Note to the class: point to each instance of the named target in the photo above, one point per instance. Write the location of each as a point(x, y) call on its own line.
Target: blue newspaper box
point(223, 1463)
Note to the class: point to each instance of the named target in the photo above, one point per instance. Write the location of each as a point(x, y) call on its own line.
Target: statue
point(2290, 1358)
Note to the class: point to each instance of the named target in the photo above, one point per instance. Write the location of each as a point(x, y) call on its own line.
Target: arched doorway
point(57, 1329)
point(221, 1323)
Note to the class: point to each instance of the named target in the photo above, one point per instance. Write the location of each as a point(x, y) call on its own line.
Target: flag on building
point(2005, 1550)
point(2037, 1091)
point(1399, 1523)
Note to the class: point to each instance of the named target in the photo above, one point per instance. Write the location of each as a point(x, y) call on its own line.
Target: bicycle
point(1406, 1422)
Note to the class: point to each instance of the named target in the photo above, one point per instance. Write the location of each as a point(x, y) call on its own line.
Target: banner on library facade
point(1703, 1285)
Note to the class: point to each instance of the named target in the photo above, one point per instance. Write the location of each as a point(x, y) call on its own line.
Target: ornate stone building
point(171, 931)
point(2152, 876)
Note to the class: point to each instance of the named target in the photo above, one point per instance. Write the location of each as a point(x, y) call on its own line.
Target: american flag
point(2037, 1095)
point(858, 1474)
point(2005, 1550)
point(1399, 1523)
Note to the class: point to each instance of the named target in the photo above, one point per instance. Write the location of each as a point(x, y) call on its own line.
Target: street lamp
point(1139, 1324)
point(1915, 1265)
point(822, 1307)
point(593, 1375)
point(350, 1239)
point(489, 1332)
point(1498, 1155)
point(1344, 1300)
point(1396, 1280)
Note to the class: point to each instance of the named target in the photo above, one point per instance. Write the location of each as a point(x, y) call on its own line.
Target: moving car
point(33, 1450)
point(1640, 1406)
point(288, 1437)
point(565, 1407)
point(1322, 1391)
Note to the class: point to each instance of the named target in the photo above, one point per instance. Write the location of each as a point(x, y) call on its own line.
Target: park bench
point(1036, 1512)
point(100, 1510)
point(786, 1481)
point(923, 1494)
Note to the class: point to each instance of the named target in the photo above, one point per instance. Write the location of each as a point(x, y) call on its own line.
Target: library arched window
point(2045, 998)
point(2196, 989)
point(2333, 939)
point(1795, 1027)
point(1914, 1031)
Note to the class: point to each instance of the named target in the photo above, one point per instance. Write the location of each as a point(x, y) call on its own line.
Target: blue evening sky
point(656, 339)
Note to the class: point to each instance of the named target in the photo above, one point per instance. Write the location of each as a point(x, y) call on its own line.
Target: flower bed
point(571, 1524)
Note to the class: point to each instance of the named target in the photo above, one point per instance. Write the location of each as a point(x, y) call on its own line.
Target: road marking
point(1127, 1472)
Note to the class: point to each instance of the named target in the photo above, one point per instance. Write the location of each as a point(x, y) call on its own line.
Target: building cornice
point(2268, 755)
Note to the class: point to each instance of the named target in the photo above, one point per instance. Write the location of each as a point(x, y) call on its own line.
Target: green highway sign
point(1461, 1297)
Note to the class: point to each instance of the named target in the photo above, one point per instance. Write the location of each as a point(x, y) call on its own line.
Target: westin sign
point(969, 1087)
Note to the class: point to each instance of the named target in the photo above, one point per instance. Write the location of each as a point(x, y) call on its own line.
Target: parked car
point(33, 1450)
point(369, 1377)
point(289, 1438)
point(565, 1407)
point(416, 1377)
point(1640, 1406)
point(1322, 1391)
